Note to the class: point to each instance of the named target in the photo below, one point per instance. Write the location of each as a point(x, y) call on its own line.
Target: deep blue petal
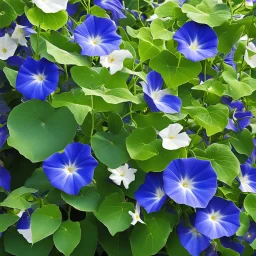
point(24, 221)
point(200, 173)
point(204, 36)
point(229, 243)
point(4, 134)
point(250, 235)
point(228, 223)
point(75, 154)
point(5, 179)
point(150, 195)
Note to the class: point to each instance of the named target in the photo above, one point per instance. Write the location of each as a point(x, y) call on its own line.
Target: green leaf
point(228, 35)
point(7, 14)
point(175, 72)
point(221, 156)
point(36, 123)
point(150, 238)
point(115, 123)
point(214, 118)
point(140, 144)
point(242, 142)
point(11, 75)
point(7, 220)
point(250, 205)
point(211, 86)
point(89, 240)
point(113, 213)
point(44, 222)
point(110, 149)
point(15, 244)
point(67, 237)
point(16, 198)
point(208, 12)
point(53, 21)
point(86, 201)
point(238, 89)
point(38, 181)
point(76, 101)
point(244, 224)
point(174, 247)
point(167, 9)
point(17, 5)
point(160, 31)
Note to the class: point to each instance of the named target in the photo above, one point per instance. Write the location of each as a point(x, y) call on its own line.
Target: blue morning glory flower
point(211, 251)
point(227, 242)
point(5, 179)
point(37, 78)
point(158, 99)
point(229, 58)
point(193, 241)
point(97, 36)
point(247, 178)
point(241, 118)
point(115, 6)
point(196, 41)
point(250, 235)
point(190, 181)
point(23, 226)
point(4, 108)
point(4, 134)
point(220, 218)
point(151, 195)
point(71, 170)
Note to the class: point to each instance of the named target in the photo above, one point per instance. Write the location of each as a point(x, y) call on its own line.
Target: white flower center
point(186, 183)
point(215, 216)
point(156, 95)
point(194, 45)
point(159, 193)
point(70, 169)
point(96, 40)
point(195, 232)
point(121, 172)
point(4, 50)
point(111, 59)
point(39, 78)
point(245, 180)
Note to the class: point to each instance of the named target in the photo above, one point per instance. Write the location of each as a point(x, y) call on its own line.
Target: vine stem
point(92, 118)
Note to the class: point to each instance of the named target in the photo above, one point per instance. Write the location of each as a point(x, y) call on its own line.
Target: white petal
point(116, 179)
point(51, 6)
point(251, 61)
point(27, 234)
point(8, 47)
point(171, 131)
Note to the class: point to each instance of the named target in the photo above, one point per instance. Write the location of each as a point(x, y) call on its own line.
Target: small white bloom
point(27, 234)
point(173, 139)
point(51, 6)
point(250, 57)
point(249, 3)
point(8, 47)
point(115, 60)
point(19, 36)
point(123, 174)
point(136, 216)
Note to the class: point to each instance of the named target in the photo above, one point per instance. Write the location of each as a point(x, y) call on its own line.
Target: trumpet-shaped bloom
point(71, 170)
point(158, 99)
point(123, 174)
point(173, 139)
point(114, 6)
point(190, 181)
point(250, 235)
point(250, 55)
point(151, 195)
point(37, 79)
point(8, 47)
point(247, 178)
point(220, 218)
point(24, 228)
point(136, 216)
point(20, 33)
point(252, 158)
point(5, 179)
point(115, 60)
point(51, 6)
point(97, 36)
point(191, 239)
point(229, 58)
point(196, 41)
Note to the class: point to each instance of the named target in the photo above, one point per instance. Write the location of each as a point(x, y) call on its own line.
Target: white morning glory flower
point(51, 6)
point(123, 174)
point(20, 33)
point(115, 60)
point(8, 47)
point(250, 57)
point(154, 17)
point(173, 139)
point(136, 216)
